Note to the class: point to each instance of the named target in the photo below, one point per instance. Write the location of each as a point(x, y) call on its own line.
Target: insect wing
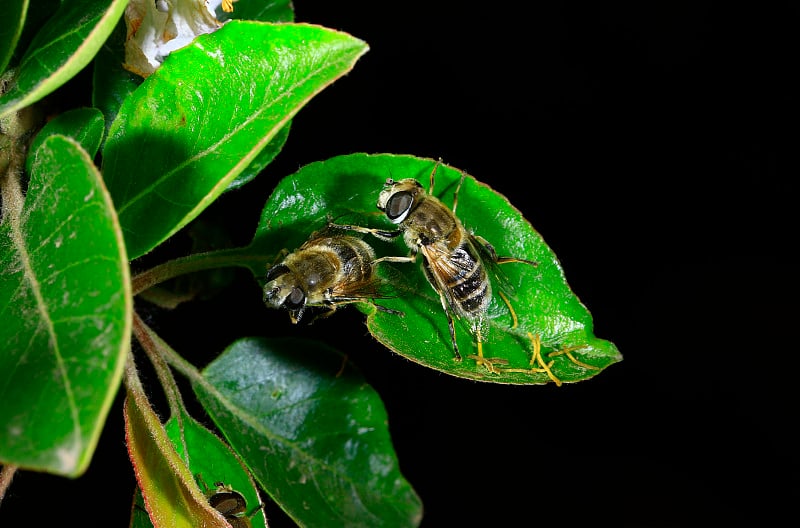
point(493, 268)
point(374, 288)
point(443, 271)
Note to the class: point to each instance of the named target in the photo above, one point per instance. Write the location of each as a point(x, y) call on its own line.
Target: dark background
point(652, 146)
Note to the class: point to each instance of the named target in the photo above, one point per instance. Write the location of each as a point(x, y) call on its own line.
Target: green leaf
point(171, 497)
point(263, 159)
point(207, 113)
point(84, 125)
point(39, 12)
point(209, 460)
point(347, 187)
point(14, 13)
point(312, 432)
point(63, 47)
point(278, 11)
point(65, 307)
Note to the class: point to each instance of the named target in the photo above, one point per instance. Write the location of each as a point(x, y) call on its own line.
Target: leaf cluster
point(88, 192)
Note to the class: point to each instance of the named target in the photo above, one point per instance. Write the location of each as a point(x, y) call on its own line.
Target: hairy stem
point(237, 257)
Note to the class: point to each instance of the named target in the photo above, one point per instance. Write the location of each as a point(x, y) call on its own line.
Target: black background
point(652, 146)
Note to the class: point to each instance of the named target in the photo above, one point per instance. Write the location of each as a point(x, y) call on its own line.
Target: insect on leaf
point(546, 335)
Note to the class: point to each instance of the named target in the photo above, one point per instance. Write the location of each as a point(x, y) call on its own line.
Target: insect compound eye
point(296, 299)
point(398, 206)
point(228, 502)
point(277, 271)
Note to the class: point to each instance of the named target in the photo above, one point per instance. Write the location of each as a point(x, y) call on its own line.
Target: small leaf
point(207, 113)
point(346, 189)
point(62, 48)
point(65, 307)
point(171, 497)
point(14, 12)
point(312, 432)
point(84, 125)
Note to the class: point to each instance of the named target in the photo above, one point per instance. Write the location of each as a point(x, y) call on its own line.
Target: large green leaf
point(13, 20)
point(346, 188)
point(273, 11)
point(66, 43)
point(207, 113)
point(65, 311)
point(312, 432)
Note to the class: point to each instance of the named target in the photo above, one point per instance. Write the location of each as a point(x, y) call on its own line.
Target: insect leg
point(377, 233)
point(280, 256)
point(450, 325)
point(506, 260)
point(567, 351)
point(411, 258)
point(536, 357)
point(455, 194)
point(433, 176)
point(387, 310)
point(493, 254)
point(510, 309)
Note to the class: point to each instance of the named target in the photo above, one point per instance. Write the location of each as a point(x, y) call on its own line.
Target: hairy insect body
point(454, 259)
point(452, 262)
point(328, 270)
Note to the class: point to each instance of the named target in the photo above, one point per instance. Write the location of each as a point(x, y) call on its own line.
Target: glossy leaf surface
point(65, 305)
point(346, 188)
point(64, 46)
point(312, 432)
point(207, 113)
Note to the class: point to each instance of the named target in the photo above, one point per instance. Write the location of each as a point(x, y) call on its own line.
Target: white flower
point(158, 27)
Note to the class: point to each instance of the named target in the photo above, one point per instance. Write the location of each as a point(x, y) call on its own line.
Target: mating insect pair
point(332, 270)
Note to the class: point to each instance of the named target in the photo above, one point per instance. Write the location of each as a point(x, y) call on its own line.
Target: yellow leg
point(536, 357)
point(488, 363)
point(510, 309)
point(568, 352)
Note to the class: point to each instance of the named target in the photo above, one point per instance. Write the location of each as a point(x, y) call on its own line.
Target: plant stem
point(236, 257)
point(6, 476)
point(153, 346)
